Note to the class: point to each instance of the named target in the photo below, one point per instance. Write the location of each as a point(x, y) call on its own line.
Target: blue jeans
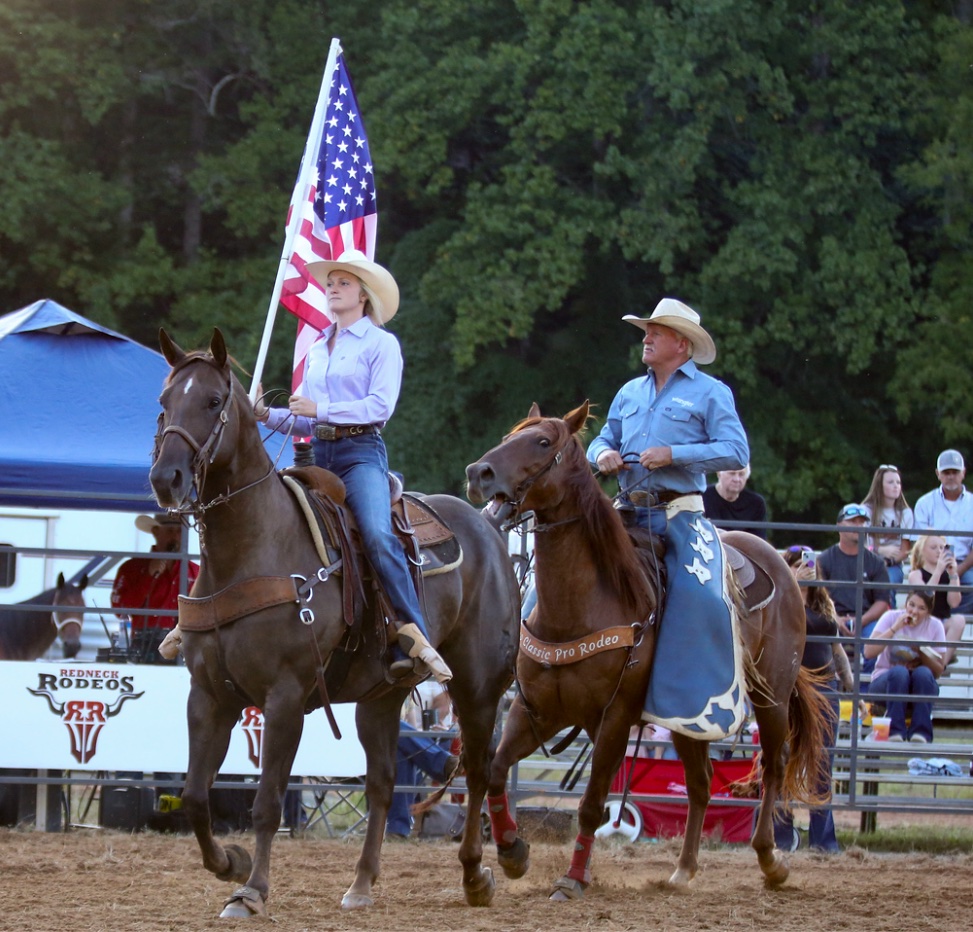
point(965, 606)
point(917, 682)
point(415, 754)
point(362, 464)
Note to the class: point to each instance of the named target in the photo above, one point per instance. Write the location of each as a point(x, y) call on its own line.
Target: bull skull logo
point(84, 719)
point(253, 728)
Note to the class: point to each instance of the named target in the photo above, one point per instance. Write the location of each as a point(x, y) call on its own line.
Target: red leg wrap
point(580, 868)
point(501, 821)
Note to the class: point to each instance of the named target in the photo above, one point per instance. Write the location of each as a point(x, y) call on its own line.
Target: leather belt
point(643, 499)
point(340, 431)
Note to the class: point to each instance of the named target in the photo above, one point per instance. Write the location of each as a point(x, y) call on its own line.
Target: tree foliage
point(798, 173)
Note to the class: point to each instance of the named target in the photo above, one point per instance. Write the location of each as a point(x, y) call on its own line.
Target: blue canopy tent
point(79, 405)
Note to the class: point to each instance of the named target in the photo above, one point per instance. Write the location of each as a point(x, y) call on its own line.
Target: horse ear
point(60, 580)
point(535, 410)
point(172, 352)
point(217, 346)
point(577, 418)
point(82, 583)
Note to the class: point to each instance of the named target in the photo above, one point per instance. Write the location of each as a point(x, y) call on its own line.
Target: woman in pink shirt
point(907, 667)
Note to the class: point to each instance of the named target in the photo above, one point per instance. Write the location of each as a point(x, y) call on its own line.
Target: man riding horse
point(665, 431)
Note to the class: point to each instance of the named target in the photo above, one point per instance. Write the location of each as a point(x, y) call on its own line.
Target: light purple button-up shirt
point(357, 383)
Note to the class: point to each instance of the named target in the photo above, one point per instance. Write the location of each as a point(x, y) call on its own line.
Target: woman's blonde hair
point(915, 554)
point(373, 305)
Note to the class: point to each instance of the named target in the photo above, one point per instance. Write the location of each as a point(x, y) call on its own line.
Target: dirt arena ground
point(106, 880)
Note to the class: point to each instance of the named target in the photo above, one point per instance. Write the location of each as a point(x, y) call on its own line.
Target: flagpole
point(298, 197)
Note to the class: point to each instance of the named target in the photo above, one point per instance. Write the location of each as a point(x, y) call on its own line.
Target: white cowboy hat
point(683, 319)
point(148, 523)
point(378, 279)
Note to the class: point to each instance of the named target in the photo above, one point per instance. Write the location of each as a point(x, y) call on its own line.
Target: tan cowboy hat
point(683, 319)
point(378, 279)
point(148, 523)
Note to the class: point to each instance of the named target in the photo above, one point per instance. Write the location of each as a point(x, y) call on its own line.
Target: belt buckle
point(326, 431)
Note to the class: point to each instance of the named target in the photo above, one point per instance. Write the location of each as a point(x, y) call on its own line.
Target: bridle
point(204, 454)
point(72, 615)
point(517, 518)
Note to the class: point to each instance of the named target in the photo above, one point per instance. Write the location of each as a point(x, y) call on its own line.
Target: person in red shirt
point(152, 582)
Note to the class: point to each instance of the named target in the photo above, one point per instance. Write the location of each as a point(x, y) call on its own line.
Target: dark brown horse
point(25, 634)
point(253, 534)
point(590, 583)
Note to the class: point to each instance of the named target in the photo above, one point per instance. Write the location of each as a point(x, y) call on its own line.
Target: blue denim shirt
point(694, 414)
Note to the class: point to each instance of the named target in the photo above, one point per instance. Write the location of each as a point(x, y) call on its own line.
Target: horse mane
point(616, 558)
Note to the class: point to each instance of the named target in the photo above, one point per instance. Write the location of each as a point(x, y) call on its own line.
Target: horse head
point(526, 471)
point(67, 616)
point(205, 413)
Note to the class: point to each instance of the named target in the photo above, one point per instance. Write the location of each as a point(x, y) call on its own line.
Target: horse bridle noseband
point(205, 453)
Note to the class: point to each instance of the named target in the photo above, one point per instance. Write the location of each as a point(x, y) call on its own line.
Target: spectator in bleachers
point(731, 500)
point(821, 620)
point(901, 668)
point(932, 561)
point(840, 562)
point(950, 507)
point(887, 507)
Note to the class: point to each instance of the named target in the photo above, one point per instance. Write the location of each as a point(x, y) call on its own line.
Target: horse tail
point(807, 768)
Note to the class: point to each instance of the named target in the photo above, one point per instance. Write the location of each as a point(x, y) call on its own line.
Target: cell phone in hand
point(807, 559)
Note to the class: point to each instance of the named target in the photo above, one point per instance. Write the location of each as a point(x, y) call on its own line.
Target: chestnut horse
point(210, 462)
point(590, 584)
point(26, 634)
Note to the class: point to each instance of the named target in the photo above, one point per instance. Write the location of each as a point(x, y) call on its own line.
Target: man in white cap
point(153, 582)
point(950, 508)
point(665, 431)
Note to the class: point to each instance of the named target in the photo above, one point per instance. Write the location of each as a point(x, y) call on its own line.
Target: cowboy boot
point(414, 644)
point(172, 644)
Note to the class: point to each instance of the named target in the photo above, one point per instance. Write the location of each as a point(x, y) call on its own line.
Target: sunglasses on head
point(854, 511)
point(798, 548)
point(889, 466)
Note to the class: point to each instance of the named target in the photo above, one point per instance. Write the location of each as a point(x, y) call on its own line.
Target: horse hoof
point(240, 865)
point(567, 888)
point(514, 859)
point(244, 903)
point(778, 872)
point(356, 901)
point(482, 893)
point(680, 879)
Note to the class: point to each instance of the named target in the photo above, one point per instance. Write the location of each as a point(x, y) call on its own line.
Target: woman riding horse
point(348, 394)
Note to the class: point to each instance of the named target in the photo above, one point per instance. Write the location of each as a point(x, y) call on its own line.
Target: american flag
point(338, 213)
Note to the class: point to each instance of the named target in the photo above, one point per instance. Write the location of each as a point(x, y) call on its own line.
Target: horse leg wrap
point(580, 868)
point(415, 645)
point(501, 822)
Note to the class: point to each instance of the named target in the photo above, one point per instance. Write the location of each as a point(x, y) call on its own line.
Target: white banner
point(69, 715)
